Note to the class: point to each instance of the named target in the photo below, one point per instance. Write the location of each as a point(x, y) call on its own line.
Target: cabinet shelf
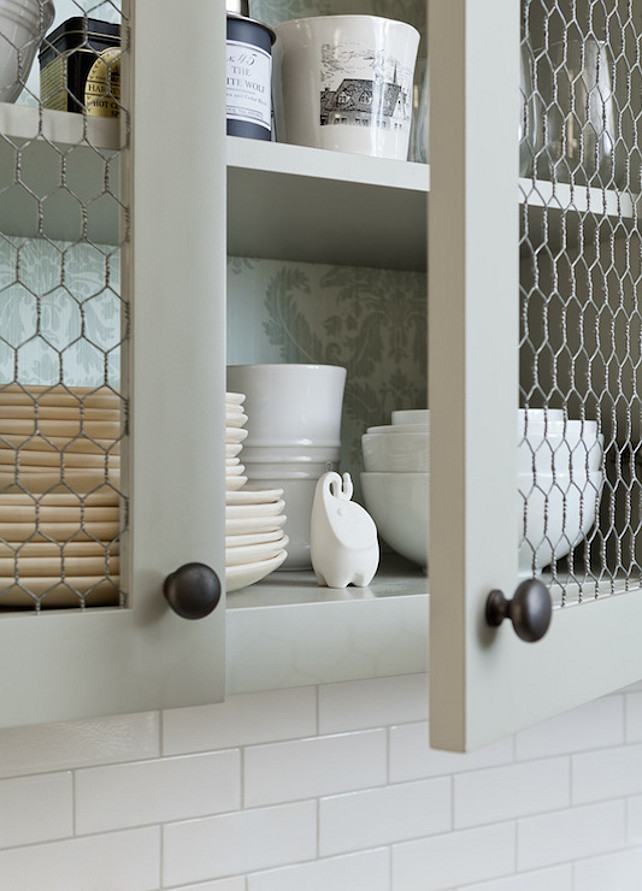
point(317, 206)
point(67, 179)
point(284, 201)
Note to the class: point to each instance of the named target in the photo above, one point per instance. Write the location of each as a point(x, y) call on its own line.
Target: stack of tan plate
point(254, 539)
point(59, 502)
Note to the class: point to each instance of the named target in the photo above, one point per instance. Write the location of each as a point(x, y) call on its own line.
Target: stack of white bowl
point(559, 479)
point(23, 24)
point(254, 519)
point(395, 482)
point(59, 503)
point(294, 422)
point(559, 483)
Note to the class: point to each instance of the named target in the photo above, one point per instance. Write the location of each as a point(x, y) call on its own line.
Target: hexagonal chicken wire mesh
point(581, 270)
point(63, 316)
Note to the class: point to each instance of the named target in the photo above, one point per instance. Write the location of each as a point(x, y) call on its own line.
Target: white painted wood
point(318, 206)
point(65, 664)
point(486, 683)
point(473, 312)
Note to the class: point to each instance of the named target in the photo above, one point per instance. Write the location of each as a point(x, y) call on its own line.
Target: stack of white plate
point(254, 539)
point(294, 428)
point(59, 502)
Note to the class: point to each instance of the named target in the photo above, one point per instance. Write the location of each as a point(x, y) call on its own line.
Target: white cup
point(345, 83)
point(290, 403)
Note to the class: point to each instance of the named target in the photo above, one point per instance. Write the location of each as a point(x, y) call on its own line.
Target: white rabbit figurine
point(343, 537)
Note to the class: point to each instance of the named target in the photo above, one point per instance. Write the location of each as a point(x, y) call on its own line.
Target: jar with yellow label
point(66, 57)
point(102, 87)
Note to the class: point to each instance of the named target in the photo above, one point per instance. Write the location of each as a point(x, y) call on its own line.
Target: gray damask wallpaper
point(371, 321)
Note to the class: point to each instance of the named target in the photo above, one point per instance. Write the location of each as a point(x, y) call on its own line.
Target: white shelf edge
point(559, 197)
point(296, 160)
point(27, 122)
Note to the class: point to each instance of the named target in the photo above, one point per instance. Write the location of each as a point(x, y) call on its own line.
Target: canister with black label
point(249, 77)
point(67, 56)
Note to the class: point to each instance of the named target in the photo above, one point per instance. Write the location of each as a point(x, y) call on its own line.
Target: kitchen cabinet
point(296, 203)
point(65, 663)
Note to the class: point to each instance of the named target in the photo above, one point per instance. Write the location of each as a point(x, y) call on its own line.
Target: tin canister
point(249, 77)
point(66, 58)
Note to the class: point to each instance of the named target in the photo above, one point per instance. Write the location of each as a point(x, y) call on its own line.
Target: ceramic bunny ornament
point(343, 537)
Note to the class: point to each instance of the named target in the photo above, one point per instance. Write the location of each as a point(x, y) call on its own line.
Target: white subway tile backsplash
point(634, 820)
point(365, 871)
point(592, 726)
point(503, 793)
point(568, 835)
point(252, 799)
point(316, 766)
point(246, 841)
point(380, 816)
point(356, 705)
point(157, 791)
point(28, 750)
point(35, 809)
point(236, 883)
point(609, 773)
point(633, 704)
point(117, 861)
point(411, 758)
point(555, 878)
point(445, 861)
point(621, 871)
point(241, 720)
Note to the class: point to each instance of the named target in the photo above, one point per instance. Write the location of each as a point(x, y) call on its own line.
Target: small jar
point(248, 77)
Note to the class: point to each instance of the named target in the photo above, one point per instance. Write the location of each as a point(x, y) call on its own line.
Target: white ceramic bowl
point(560, 454)
point(398, 429)
point(299, 454)
point(291, 403)
point(398, 503)
point(402, 453)
point(23, 24)
point(345, 83)
point(410, 416)
point(292, 469)
point(555, 515)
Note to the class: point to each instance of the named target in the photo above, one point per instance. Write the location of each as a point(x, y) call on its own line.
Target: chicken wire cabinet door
point(112, 360)
point(534, 279)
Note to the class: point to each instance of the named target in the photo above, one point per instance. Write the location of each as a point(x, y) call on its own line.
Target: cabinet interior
point(327, 264)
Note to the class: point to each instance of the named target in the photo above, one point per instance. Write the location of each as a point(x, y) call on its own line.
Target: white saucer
point(247, 574)
point(232, 449)
point(256, 524)
point(235, 434)
point(253, 496)
point(235, 398)
point(254, 553)
point(234, 470)
point(235, 419)
point(235, 482)
point(250, 511)
point(239, 541)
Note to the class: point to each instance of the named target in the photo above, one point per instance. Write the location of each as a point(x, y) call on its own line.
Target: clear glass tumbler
point(574, 88)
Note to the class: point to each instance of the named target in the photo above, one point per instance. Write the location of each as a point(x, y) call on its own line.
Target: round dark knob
point(193, 590)
point(530, 610)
